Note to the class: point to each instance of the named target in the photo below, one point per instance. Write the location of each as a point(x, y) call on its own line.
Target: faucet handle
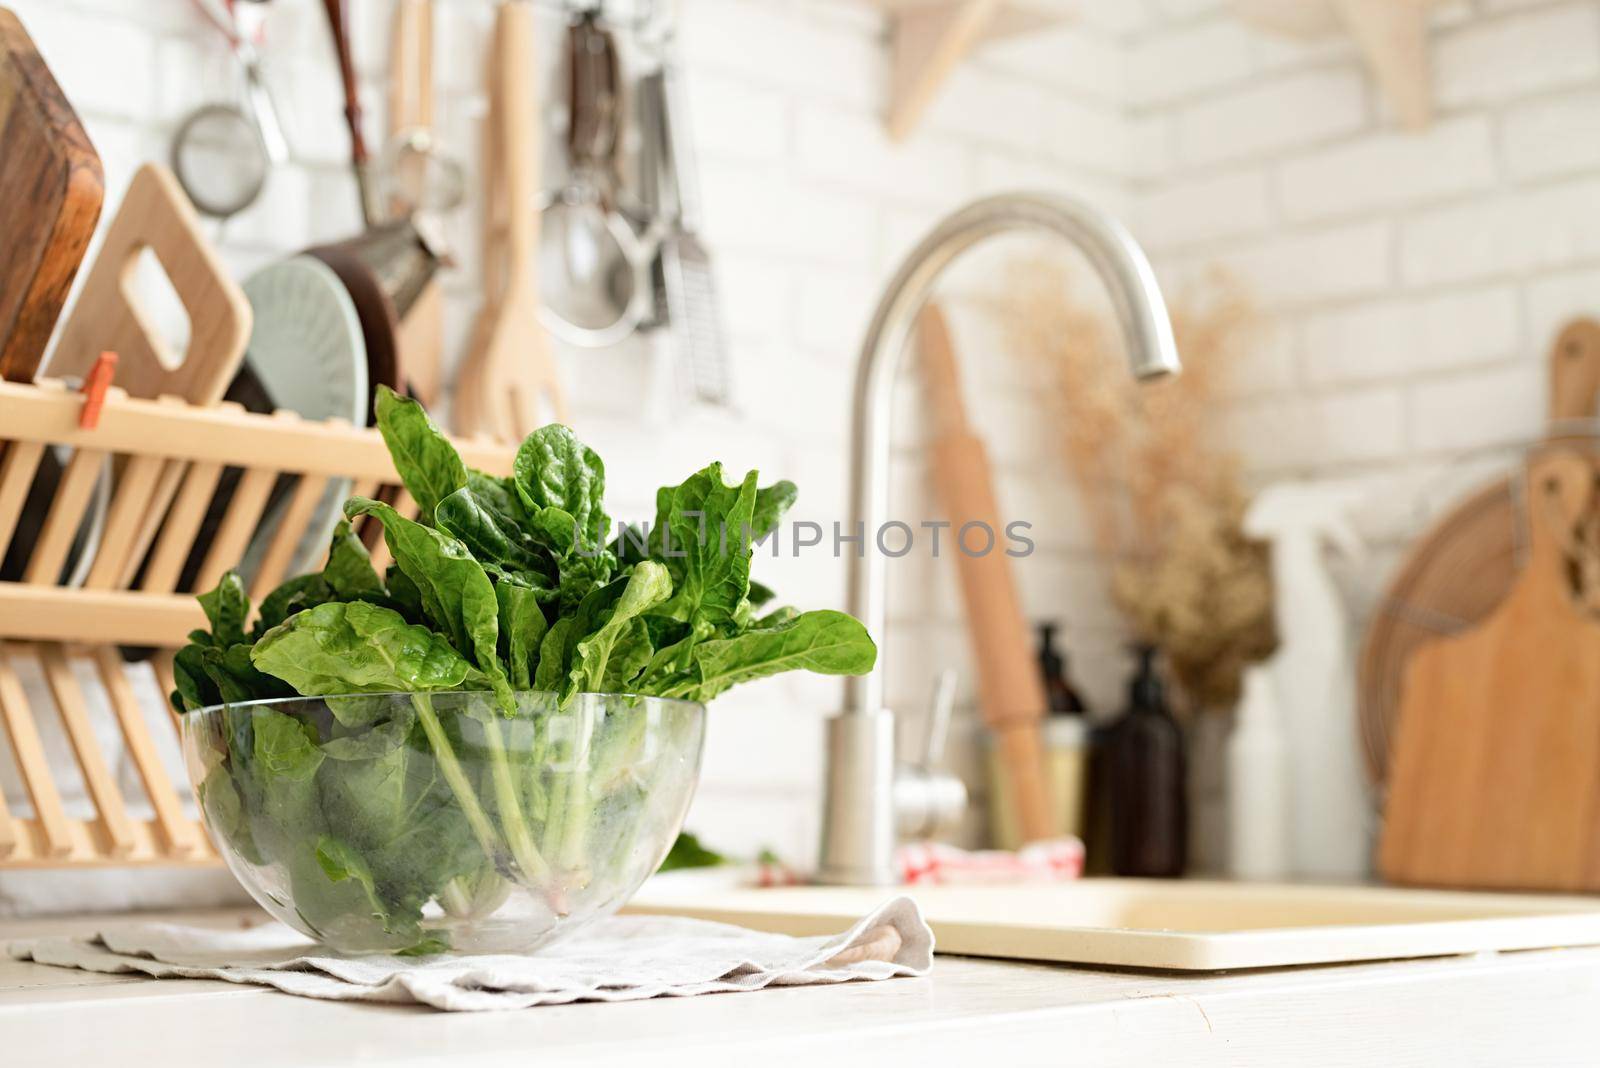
point(939, 713)
point(927, 800)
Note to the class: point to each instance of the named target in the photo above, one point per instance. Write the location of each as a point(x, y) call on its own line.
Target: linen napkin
point(621, 958)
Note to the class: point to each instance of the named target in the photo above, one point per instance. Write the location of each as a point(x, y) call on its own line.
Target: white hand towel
point(623, 958)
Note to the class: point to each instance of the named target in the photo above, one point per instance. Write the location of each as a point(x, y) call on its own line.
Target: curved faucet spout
point(1115, 257)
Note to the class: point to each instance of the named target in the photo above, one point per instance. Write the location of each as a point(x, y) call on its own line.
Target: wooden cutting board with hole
point(1463, 567)
point(51, 191)
point(156, 215)
point(1495, 776)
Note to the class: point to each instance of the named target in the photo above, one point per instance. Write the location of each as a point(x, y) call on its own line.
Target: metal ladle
point(596, 271)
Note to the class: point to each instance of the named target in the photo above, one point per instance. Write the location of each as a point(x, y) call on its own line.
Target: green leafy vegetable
point(377, 810)
point(428, 464)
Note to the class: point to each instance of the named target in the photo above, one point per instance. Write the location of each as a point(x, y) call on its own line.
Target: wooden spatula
point(508, 386)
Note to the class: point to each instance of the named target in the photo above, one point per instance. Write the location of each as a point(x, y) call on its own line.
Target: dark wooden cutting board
point(51, 190)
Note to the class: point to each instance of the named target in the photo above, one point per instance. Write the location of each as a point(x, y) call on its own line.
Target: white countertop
point(1518, 1008)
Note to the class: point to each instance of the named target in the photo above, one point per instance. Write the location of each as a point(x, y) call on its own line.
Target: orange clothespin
point(94, 389)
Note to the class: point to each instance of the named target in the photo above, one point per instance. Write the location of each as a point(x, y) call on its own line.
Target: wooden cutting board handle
point(1574, 374)
point(156, 215)
point(1010, 690)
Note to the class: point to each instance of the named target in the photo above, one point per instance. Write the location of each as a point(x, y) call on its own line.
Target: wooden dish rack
point(165, 459)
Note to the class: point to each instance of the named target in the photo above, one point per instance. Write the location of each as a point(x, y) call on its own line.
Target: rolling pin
point(1011, 693)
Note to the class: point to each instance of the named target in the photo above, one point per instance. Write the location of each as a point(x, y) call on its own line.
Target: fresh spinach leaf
point(562, 484)
point(604, 616)
point(357, 647)
point(227, 607)
point(349, 573)
point(427, 463)
point(522, 628)
point(456, 593)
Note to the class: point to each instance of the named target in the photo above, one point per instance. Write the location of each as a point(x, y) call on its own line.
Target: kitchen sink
point(1185, 926)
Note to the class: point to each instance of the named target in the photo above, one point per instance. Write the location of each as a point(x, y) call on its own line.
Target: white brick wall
point(1413, 281)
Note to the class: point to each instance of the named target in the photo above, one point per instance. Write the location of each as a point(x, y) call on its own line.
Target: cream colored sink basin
point(1188, 926)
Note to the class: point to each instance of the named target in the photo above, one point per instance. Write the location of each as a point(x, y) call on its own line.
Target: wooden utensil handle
point(1010, 689)
point(1574, 373)
point(338, 25)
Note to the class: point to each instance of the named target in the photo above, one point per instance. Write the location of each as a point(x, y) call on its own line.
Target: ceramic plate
point(307, 350)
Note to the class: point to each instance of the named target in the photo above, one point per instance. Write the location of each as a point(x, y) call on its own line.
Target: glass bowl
point(434, 823)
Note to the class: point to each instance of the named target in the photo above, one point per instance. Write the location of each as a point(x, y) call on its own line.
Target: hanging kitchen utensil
point(685, 285)
point(1466, 563)
point(413, 172)
point(596, 270)
point(360, 162)
point(416, 177)
point(1495, 776)
point(48, 165)
point(385, 270)
point(507, 386)
point(222, 153)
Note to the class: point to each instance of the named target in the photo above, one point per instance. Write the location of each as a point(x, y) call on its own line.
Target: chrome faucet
point(868, 802)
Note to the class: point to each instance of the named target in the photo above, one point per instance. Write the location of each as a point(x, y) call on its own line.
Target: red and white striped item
point(933, 864)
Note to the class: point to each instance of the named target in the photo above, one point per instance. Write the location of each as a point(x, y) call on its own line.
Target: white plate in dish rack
point(1182, 926)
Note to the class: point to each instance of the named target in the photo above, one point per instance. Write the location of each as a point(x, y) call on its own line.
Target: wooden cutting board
point(1495, 776)
point(1463, 567)
point(51, 190)
point(156, 215)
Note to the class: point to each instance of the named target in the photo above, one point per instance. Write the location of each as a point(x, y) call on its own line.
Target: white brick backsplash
point(1224, 205)
point(1071, 57)
point(777, 45)
point(1492, 59)
point(831, 312)
point(1278, 114)
point(106, 64)
point(1002, 172)
point(1552, 226)
point(1168, 66)
point(853, 150)
point(1327, 264)
point(1390, 168)
point(734, 121)
point(1295, 433)
point(1150, 145)
point(1553, 299)
point(1555, 136)
point(1474, 410)
point(1407, 336)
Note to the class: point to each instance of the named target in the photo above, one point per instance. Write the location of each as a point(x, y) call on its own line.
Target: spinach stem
point(450, 768)
point(574, 835)
point(505, 789)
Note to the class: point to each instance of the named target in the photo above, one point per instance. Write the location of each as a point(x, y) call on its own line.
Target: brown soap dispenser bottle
point(1146, 781)
point(1061, 698)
